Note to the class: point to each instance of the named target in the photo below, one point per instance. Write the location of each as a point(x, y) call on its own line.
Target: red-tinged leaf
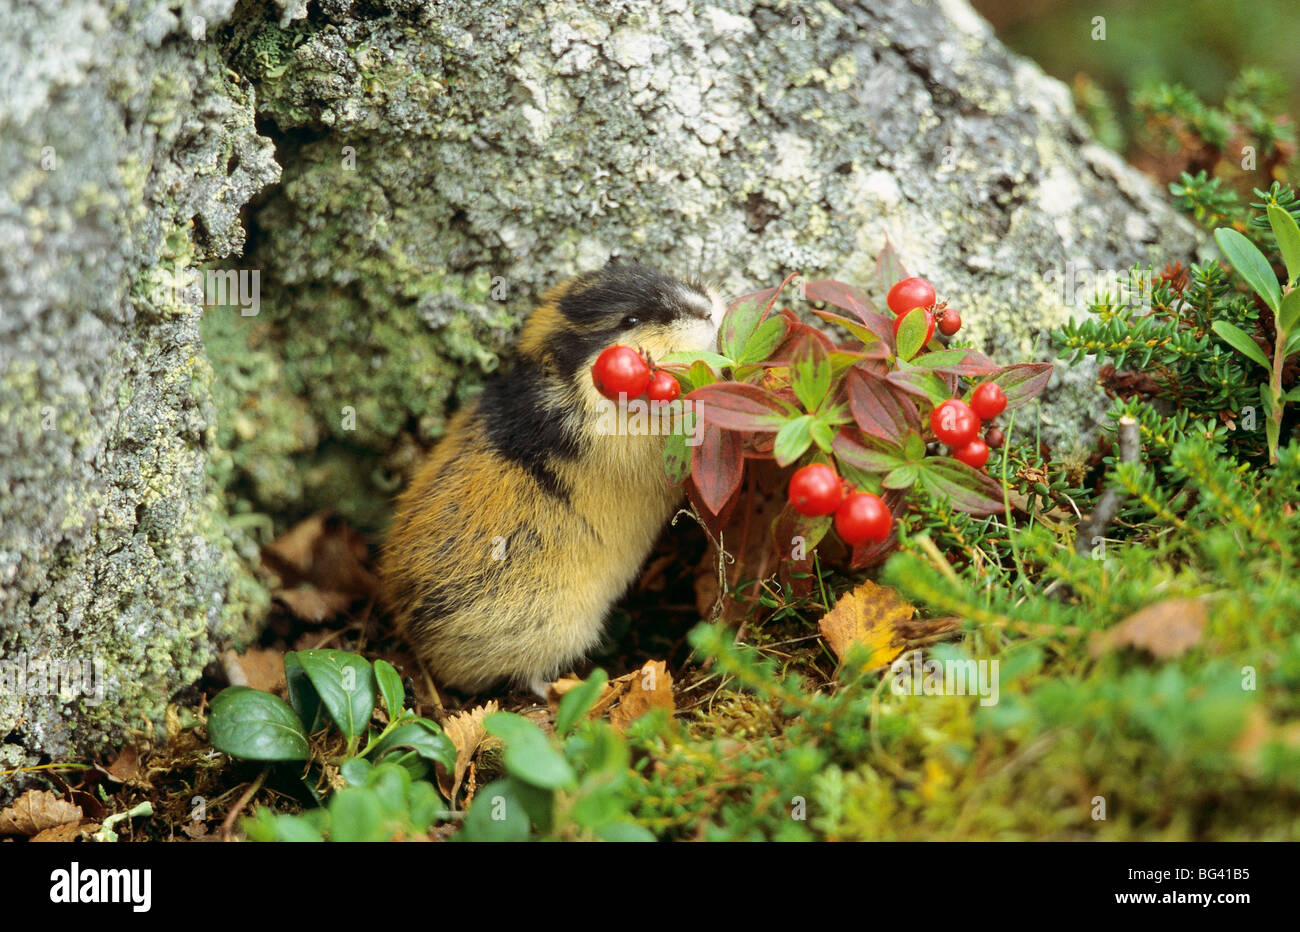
point(717, 466)
point(739, 406)
point(879, 408)
point(870, 454)
point(1022, 382)
point(970, 490)
point(967, 362)
point(889, 268)
point(850, 299)
point(868, 334)
point(872, 553)
point(797, 334)
point(738, 325)
point(810, 373)
point(920, 382)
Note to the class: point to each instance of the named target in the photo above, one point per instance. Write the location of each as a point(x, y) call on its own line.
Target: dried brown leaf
point(1164, 629)
point(645, 689)
point(465, 729)
point(35, 811)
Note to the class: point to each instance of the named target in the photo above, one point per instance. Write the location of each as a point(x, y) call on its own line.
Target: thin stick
point(228, 824)
point(1130, 448)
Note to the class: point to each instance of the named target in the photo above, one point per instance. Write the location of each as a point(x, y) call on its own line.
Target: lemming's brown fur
point(492, 573)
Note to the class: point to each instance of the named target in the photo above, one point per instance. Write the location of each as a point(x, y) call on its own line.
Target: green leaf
point(498, 813)
point(356, 770)
point(677, 457)
point(1239, 341)
point(1250, 265)
point(1292, 344)
point(763, 341)
point(966, 362)
point(913, 447)
point(357, 815)
point(739, 324)
point(390, 687)
point(700, 374)
point(691, 357)
point(302, 694)
point(255, 725)
point(1293, 395)
point(792, 440)
point(1288, 314)
point(911, 332)
point(578, 701)
point(528, 754)
point(900, 478)
point(876, 330)
point(624, 830)
point(810, 374)
point(422, 736)
point(821, 433)
point(1287, 232)
point(345, 684)
point(967, 489)
point(923, 383)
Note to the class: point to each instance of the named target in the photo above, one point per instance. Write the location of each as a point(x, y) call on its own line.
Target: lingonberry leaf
point(739, 323)
point(717, 465)
point(900, 478)
point(969, 490)
point(879, 408)
point(255, 725)
point(1021, 383)
point(740, 406)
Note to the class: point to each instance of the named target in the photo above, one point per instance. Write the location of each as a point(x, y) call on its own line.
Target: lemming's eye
point(631, 320)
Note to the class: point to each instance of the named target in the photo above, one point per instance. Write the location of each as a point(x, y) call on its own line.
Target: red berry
point(620, 370)
point(994, 437)
point(975, 453)
point(663, 387)
point(954, 423)
point(863, 517)
point(988, 401)
point(910, 293)
point(929, 327)
point(949, 323)
point(815, 490)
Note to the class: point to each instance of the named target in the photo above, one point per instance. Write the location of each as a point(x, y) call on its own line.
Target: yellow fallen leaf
point(872, 617)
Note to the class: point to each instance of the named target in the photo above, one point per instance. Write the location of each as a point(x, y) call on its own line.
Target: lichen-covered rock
point(126, 155)
point(446, 162)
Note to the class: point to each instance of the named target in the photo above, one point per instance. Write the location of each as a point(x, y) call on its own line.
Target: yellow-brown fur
point(496, 569)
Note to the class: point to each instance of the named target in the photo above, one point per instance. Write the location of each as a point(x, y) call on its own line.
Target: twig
point(228, 824)
point(1130, 448)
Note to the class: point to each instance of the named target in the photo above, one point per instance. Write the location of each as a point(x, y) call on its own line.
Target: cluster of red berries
point(816, 490)
point(958, 424)
point(622, 371)
point(911, 293)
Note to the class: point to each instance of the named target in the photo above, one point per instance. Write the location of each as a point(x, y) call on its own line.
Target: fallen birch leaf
point(648, 688)
point(871, 617)
point(1165, 629)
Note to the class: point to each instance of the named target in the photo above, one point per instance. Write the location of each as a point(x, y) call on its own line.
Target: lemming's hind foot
point(540, 685)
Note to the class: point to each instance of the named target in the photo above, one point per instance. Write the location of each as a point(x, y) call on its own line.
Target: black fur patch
point(525, 427)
